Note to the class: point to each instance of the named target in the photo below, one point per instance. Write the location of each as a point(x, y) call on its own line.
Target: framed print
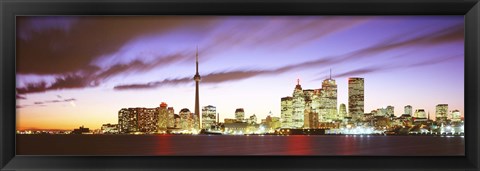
point(240, 85)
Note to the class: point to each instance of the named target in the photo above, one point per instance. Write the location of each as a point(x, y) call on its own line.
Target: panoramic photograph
point(240, 85)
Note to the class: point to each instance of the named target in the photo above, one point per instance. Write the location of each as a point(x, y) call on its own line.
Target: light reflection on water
point(200, 145)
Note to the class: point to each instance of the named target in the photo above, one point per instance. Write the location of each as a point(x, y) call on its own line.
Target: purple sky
point(75, 71)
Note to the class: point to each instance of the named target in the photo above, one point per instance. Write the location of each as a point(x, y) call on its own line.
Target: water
point(200, 145)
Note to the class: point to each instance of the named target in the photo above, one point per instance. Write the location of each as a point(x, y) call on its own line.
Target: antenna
point(330, 73)
point(197, 58)
point(298, 81)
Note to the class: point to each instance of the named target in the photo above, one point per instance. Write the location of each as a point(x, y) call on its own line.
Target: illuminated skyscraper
point(186, 119)
point(162, 117)
point(240, 114)
point(208, 116)
point(441, 112)
point(356, 98)
point(197, 103)
point(328, 101)
point(298, 106)
point(408, 110)
point(286, 112)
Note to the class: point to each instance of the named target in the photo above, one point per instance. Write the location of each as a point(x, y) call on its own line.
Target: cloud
point(74, 59)
point(383, 68)
point(447, 35)
point(71, 44)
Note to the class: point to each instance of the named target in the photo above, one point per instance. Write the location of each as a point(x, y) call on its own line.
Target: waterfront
point(211, 145)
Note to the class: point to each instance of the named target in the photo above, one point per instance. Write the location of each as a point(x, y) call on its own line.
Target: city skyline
point(129, 75)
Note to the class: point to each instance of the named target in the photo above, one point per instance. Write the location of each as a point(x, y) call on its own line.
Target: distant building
point(356, 98)
point(252, 119)
point(420, 115)
point(109, 129)
point(138, 120)
point(328, 101)
point(229, 120)
point(286, 112)
point(186, 119)
point(208, 116)
point(162, 117)
point(81, 130)
point(240, 114)
point(408, 110)
point(456, 116)
point(390, 111)
point(441, 112)
point(298, 105)
point(171, 118)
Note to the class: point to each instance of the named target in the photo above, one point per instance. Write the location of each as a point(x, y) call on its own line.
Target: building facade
point(240, 114)
point(356, 98)
point(441, 112)
point(138, 120)
point(408, 110)
point(208, 116)
point(286, 112)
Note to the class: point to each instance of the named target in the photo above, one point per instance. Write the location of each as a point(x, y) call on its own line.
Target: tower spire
point(298, 81)
point(196, 59)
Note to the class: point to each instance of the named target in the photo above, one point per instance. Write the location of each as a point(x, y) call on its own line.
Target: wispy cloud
point(447, 35)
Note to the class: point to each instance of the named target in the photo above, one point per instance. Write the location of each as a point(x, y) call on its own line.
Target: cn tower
point(197, 80)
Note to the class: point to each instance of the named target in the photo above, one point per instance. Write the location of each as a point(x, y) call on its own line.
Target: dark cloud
point(73, 46)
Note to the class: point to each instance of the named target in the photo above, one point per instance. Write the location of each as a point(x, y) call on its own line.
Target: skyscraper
point(298, 106)
point(328, 100)
point(186, 119)
point(356, 98)
point(208, 116)
point(286, 112)
point(441, 112)
point(162, 117)
point(197, 80)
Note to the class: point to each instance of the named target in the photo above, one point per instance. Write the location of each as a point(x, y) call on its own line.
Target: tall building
point(240, 114)
point(408, 110)
point(171, 117)
point(328, 101)
point(298, 106)
point(441, 112)
point(356, 98)
point(162, 117)
point(186, 119)
point(197, 103)
point(208, 116)
point(342, 112)
point(286, 112)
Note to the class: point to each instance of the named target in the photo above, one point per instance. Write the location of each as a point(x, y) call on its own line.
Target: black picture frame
point(11, 8)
